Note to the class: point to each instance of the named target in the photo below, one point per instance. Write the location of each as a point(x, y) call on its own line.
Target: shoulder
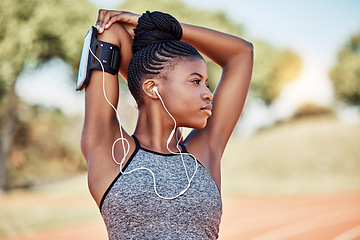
point(207, 151)
point(103, 168)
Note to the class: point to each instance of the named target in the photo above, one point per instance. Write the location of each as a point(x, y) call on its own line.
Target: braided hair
point(156, 45)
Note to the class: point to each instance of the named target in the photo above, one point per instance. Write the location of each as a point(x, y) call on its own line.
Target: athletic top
point(132, 210)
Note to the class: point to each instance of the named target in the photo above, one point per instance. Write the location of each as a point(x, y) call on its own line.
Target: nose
point(207, 94)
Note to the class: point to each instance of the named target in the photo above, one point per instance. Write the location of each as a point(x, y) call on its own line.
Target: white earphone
point(154, 89)
point(126, 150)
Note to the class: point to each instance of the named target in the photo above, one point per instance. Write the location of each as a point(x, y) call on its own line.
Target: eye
point(196, 81)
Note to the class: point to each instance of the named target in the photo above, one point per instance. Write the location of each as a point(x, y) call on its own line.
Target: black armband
point(107, 53)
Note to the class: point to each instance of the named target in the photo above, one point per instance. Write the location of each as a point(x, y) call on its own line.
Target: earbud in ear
point(155, 90)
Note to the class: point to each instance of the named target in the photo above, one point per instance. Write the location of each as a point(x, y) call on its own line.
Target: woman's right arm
point(101, 125)
point(101, 128)
point(100, 120)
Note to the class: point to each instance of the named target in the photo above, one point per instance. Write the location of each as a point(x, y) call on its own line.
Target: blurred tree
point(43, 148)
point(309, 109)
point(32, 32)
point(273, 68)
point(346, 74)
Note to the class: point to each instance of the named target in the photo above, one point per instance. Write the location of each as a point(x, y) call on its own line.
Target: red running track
point(317, 218)
point(299, 218)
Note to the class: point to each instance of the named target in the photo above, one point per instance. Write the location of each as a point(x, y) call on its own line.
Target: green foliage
point(346, 74)
point(33, 31)
point(311, 110)
point(46, 146)
point(273, 68)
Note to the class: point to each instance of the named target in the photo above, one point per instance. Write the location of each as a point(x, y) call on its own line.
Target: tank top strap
point(137, 143)
point(123, 169)
point(183, 148)
point(138, 146)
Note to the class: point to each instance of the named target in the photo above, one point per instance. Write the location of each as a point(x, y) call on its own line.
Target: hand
point(107, 17)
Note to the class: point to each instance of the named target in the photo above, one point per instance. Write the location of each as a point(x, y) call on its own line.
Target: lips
point(207, 109)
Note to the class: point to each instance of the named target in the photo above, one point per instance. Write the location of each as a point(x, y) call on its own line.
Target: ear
point(148, 86)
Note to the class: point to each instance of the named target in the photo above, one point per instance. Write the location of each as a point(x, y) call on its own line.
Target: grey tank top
point(131, 209)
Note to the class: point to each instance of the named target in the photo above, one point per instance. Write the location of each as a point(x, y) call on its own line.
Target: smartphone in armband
point(107, 53)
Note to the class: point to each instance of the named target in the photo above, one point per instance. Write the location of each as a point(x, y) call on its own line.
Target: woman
point(167, 190)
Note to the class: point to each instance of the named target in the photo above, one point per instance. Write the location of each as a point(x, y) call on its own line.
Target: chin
point(198, 125)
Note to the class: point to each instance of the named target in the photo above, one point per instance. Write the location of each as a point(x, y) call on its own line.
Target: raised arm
point(101, 128)
point(235, 56)
point(100, 119)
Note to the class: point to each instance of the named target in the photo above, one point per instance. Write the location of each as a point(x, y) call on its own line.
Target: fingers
point(107, 17)
point(112, 20)
point(99, 20)
point(103, 18)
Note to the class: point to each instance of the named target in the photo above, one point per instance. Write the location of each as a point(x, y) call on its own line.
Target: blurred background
point(299, 134)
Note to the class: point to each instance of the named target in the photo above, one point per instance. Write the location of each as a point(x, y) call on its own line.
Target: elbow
point(248, 48)
point(251, 47)
point(244, 49)
point(245, 52)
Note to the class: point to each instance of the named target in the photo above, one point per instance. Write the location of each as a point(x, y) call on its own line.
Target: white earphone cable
point(117, 116)
point(178, 142)
point(126, 150)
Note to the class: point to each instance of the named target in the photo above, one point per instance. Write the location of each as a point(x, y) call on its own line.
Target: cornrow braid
point(156, 45)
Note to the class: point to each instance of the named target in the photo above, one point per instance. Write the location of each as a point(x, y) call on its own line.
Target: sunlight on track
point(350, 234)
point(301, 209)
point(310, 224)
point(291, 218)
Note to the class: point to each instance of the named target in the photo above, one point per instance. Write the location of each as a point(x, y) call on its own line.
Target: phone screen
point(84, 61)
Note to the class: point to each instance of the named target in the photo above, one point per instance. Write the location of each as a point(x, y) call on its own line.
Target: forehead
point(187, 66)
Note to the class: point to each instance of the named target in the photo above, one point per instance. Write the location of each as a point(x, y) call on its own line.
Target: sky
point(314, 29)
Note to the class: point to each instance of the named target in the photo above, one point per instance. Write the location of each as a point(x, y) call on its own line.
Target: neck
point(154, 127)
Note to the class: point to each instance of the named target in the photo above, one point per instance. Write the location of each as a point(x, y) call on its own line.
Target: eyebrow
point(198, 74)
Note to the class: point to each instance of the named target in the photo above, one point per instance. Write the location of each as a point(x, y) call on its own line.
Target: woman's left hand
point(107, 17)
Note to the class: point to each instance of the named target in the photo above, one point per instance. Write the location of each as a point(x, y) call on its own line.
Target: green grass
point(318, 155)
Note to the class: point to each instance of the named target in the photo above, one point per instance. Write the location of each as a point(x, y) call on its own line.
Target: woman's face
point(185, 93)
